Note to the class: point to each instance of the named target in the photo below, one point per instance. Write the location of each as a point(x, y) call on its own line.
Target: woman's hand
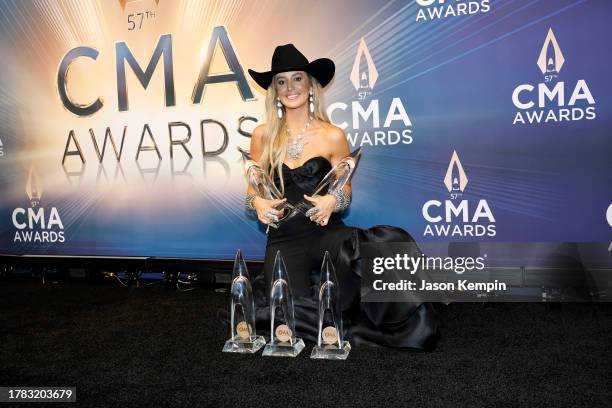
point(323, 208)
point(266, 209)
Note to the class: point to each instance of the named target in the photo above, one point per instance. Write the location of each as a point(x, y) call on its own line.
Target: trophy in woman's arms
point(334, 180)
point(263, 186)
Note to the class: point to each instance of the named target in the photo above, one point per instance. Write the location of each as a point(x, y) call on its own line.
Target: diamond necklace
point(296, 145)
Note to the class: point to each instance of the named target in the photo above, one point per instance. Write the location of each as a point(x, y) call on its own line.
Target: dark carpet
point(159, 347)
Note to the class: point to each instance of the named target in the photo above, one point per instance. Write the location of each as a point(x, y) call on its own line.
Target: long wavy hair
point(275, 138)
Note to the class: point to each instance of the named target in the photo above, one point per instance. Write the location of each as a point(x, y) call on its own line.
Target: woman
point(297, 146)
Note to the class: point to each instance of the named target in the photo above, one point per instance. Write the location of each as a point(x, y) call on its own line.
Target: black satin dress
point(303, 243)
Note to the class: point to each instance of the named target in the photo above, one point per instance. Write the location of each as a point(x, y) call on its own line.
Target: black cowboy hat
point(288, 58)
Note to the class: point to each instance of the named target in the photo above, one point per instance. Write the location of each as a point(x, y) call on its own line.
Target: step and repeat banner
point(485, 124)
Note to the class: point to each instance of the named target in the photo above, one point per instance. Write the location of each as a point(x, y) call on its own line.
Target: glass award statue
point(330, 342)
point(244, 338)
point(283, 342)
point(335, 179)
point(263, 186)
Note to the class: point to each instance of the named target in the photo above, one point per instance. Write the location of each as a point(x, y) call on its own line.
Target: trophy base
point(237, 345)
point(284, 349)
point(331, 352)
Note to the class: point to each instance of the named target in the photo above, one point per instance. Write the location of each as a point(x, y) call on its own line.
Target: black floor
point(155, 346)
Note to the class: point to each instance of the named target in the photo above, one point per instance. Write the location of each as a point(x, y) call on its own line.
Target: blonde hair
point(275, 139)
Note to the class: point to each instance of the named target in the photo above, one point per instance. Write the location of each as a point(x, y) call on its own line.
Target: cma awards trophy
point(283, 342)
point(330, 343)
point(263, 186)
point(335, 179)
point(244, 339)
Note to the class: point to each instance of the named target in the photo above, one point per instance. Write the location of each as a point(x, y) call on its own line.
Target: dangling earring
point(279, 112)
point(311, 101)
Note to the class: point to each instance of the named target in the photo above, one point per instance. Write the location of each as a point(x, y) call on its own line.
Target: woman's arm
point(256, 147)
point(265, 209)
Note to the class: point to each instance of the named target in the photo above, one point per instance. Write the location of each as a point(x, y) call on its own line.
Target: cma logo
point(162, 52)
point(383, 124)
point(552, 100)
point(35, 224)
point(457, 217)
point(1, 148)
point(551, 58)
point(455, 179)
point(364, 73)
point(439, 9)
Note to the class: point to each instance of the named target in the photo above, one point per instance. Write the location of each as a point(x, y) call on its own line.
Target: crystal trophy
point(244, 339)
point(330, 341)
point(283, 342)
point(263, 186)
point(335, 179)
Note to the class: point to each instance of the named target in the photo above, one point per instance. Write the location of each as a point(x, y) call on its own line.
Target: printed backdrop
point(481, 121)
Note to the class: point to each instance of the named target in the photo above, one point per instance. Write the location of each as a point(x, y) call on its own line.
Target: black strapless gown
point(302, 244)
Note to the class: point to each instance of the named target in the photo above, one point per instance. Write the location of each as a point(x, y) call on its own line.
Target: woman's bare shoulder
point(257, 137)
point(333, 133)
point(259, 131)
point(335, 137)
point(335, 141)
